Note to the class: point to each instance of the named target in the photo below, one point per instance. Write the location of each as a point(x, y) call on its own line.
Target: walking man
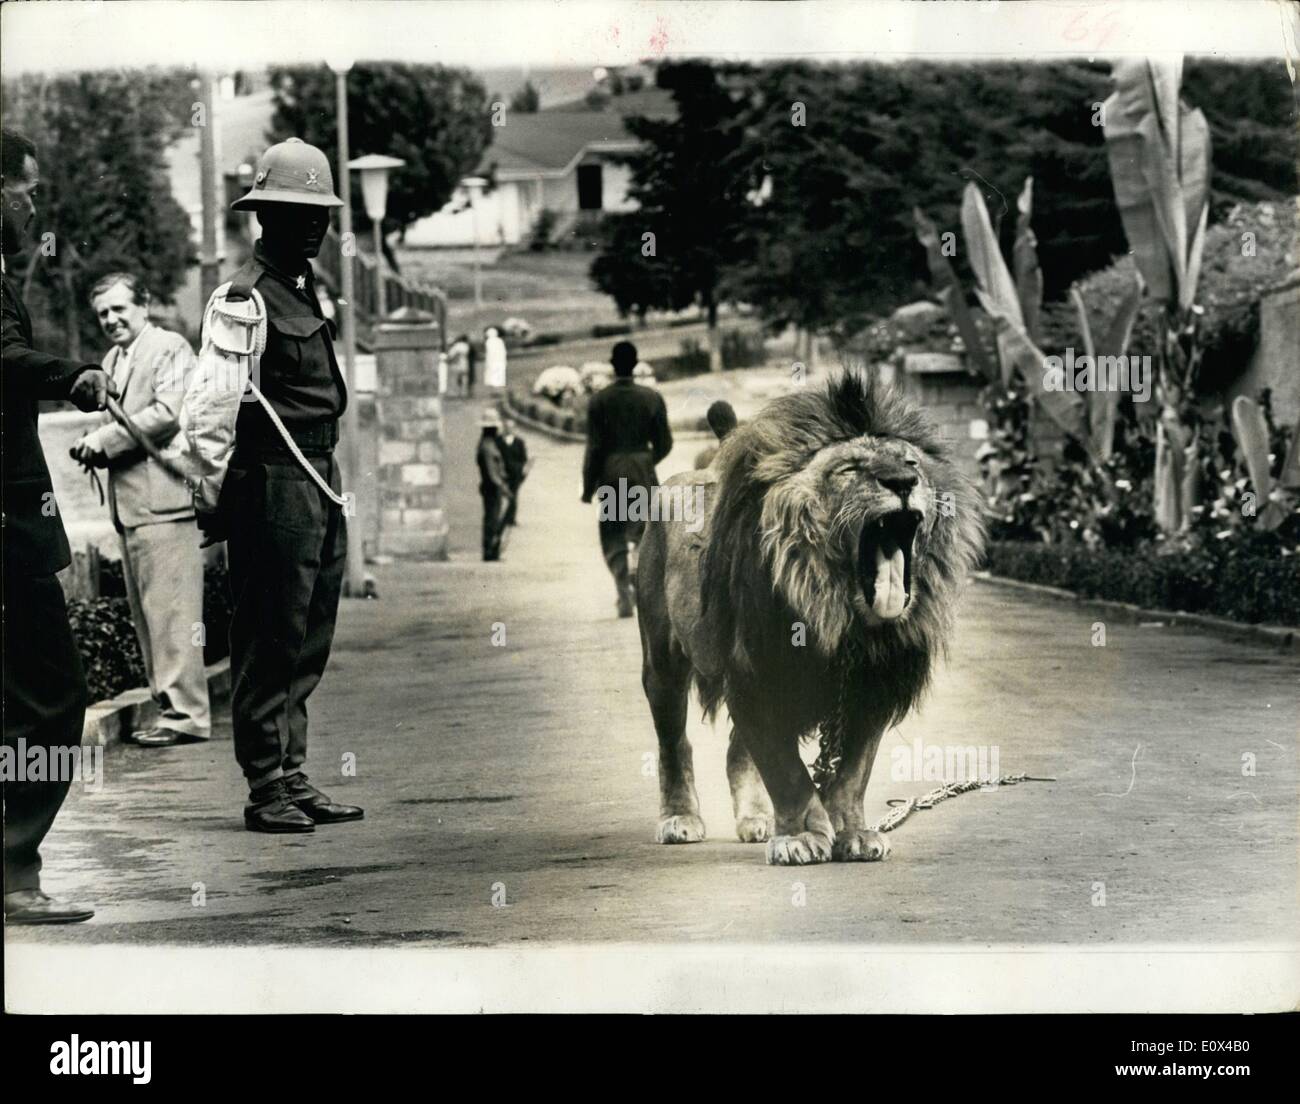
point(494, 484)
point(152, 509)
point(44, 685)
point(515, 454)
point(287, 534)
point(627, 435)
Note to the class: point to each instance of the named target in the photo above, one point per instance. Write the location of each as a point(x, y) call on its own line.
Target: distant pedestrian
point(152, 509)
point(494, 484)
point(458, 365)
point(515, 453)
point(627, 435)
point(494, 360)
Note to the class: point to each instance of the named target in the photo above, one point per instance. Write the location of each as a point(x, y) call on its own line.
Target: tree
point(690, 180)
point(437, 119)
point(105, 200)
point(527, 100)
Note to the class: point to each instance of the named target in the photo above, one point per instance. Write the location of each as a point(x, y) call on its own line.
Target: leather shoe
point(31, 906)
point(157, 737)
point(316, 804)
point(269, 809)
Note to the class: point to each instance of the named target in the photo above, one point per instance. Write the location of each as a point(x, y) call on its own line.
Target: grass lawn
point(551, 291)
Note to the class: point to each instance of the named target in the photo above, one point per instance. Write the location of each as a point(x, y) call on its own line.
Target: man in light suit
point(153, 511)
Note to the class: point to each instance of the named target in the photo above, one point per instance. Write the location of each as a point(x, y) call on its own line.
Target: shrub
point(1227, 581)
point(541, 339)
point(105, 637)
point(741, 349)
point(610, 329)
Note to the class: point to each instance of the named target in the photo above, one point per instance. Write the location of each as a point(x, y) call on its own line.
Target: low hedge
point(105, 637)
point(105, 633)
point(1252, 589)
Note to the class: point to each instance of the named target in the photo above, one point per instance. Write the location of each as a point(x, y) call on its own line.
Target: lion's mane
point(766, 565)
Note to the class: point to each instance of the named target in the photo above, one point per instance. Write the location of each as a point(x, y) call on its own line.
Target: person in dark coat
point(515, 453)
point(627, 435)
point(44, 685)
point(494, 484)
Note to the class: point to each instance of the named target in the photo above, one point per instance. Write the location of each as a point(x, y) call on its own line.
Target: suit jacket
point(515, 454)
point(627, 434)
point(34, 540)
point(491, 467)
point(152, 382)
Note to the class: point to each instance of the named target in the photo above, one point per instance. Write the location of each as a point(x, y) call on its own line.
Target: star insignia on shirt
point(313, 178)
point(301, 283)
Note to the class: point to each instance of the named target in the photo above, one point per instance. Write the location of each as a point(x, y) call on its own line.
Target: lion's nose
point(901, 483)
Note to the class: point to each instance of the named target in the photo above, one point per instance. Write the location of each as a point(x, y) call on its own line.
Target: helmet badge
point(313, 178)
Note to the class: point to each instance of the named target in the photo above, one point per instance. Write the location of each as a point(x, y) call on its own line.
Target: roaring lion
point(816, 595)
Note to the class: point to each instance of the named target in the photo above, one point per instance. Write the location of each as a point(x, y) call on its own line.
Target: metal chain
point(834, 727)
point(904, 807)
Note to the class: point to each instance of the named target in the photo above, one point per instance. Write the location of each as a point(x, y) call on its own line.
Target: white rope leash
point(902, 808)
point(307, 466)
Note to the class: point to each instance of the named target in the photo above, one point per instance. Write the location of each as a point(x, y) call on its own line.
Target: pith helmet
point(291, 172)
point(490, 418)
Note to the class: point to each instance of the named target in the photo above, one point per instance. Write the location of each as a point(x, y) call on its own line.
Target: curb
point(1278, 637)
point(109, 722)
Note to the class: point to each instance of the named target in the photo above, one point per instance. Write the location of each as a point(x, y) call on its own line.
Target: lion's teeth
point(890, 593)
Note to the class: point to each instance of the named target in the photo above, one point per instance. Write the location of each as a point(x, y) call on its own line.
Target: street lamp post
point(475, 185)
point(374, 169)
point(354, 583)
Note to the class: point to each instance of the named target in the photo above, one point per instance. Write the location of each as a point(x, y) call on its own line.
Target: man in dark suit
point(627, 435)
point(515, 453)
point(44, 686)
point(494, 484)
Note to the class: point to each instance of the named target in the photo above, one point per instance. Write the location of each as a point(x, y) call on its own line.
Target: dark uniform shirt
point(299, 373)
point(627, 434)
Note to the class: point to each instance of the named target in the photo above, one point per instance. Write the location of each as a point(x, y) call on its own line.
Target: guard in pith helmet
point(280, 505)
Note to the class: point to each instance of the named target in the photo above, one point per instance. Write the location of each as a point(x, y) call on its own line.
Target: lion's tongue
point(890, 594)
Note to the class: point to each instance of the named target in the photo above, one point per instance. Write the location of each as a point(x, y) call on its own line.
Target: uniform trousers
point(287, 550)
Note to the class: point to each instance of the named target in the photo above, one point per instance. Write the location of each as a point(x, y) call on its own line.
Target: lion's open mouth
point(885, 562)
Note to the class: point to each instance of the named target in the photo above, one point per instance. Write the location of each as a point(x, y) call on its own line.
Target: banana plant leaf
point(1103, 404)
point(1290, 477)
point(1024, 259)
point(945, 279)
point(986, 259)
point(1159, 152)
point(1250, 428)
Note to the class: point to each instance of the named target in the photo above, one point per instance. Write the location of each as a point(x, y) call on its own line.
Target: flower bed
point(1226, 582)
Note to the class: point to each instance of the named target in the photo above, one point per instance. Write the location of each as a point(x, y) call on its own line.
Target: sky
point(227, 34)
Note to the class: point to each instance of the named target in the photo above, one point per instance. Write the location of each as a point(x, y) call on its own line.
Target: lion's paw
point(806, 847)
point(754, 829)
point(860, 845)
point(680, 829)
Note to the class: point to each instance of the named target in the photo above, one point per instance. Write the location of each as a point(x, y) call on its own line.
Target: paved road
point(519, 771)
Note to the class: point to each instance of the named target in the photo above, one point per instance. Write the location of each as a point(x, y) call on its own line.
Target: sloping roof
point(550, 141)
